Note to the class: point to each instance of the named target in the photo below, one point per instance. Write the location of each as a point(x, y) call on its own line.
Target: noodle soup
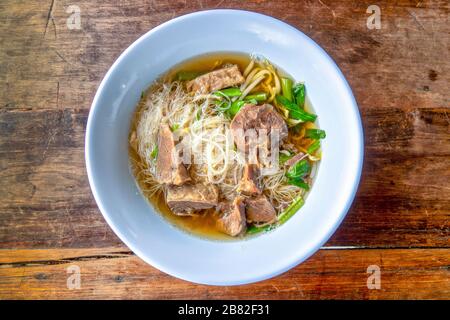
point(195, 163)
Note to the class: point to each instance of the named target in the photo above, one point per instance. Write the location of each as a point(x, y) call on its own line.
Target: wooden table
point(400, 75)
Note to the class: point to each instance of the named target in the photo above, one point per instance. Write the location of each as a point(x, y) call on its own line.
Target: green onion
point(299, 170)
point(187, 75)
point(299, 182)
point(315, 134)
point(286, 88)
point(234, 108)
point(229, 92)
point(299, 91)
point(294, 111)
point(291, 210)
point(314, 146)
point(154, 152)
point(175, 127)
point(259, 96)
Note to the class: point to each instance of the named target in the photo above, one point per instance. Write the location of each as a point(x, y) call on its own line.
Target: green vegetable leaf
point(299, 92)
point(299, 170)
point(294, 111)
point(315, 134)
point(299, 182)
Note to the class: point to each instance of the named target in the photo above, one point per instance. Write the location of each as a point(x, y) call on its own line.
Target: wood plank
point(115, 273)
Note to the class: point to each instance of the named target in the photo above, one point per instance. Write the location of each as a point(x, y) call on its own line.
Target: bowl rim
point(250, 279)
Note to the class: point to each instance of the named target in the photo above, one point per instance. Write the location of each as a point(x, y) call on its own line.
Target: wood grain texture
point(400, 76)
point(117, 274)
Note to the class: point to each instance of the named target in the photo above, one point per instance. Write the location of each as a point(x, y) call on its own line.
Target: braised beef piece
point(190, 198)
point(232, 217)
point(259, 210)
point(256, 117)
point(216, 80)
point(299, 156)
point(249, 184)
point(168, 169)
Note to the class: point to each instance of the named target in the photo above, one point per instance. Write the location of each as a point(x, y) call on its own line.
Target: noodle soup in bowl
point(198, 221)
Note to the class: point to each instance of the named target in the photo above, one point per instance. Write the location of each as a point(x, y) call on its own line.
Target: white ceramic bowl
point(172, 250)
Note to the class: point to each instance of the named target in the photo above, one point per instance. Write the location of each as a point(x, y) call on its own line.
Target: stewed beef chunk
point(249, 184)
point(216, 80)
point(259, 210)
point(232, 217)
point(168, 169)
point(190, 198)
point(252, 117)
